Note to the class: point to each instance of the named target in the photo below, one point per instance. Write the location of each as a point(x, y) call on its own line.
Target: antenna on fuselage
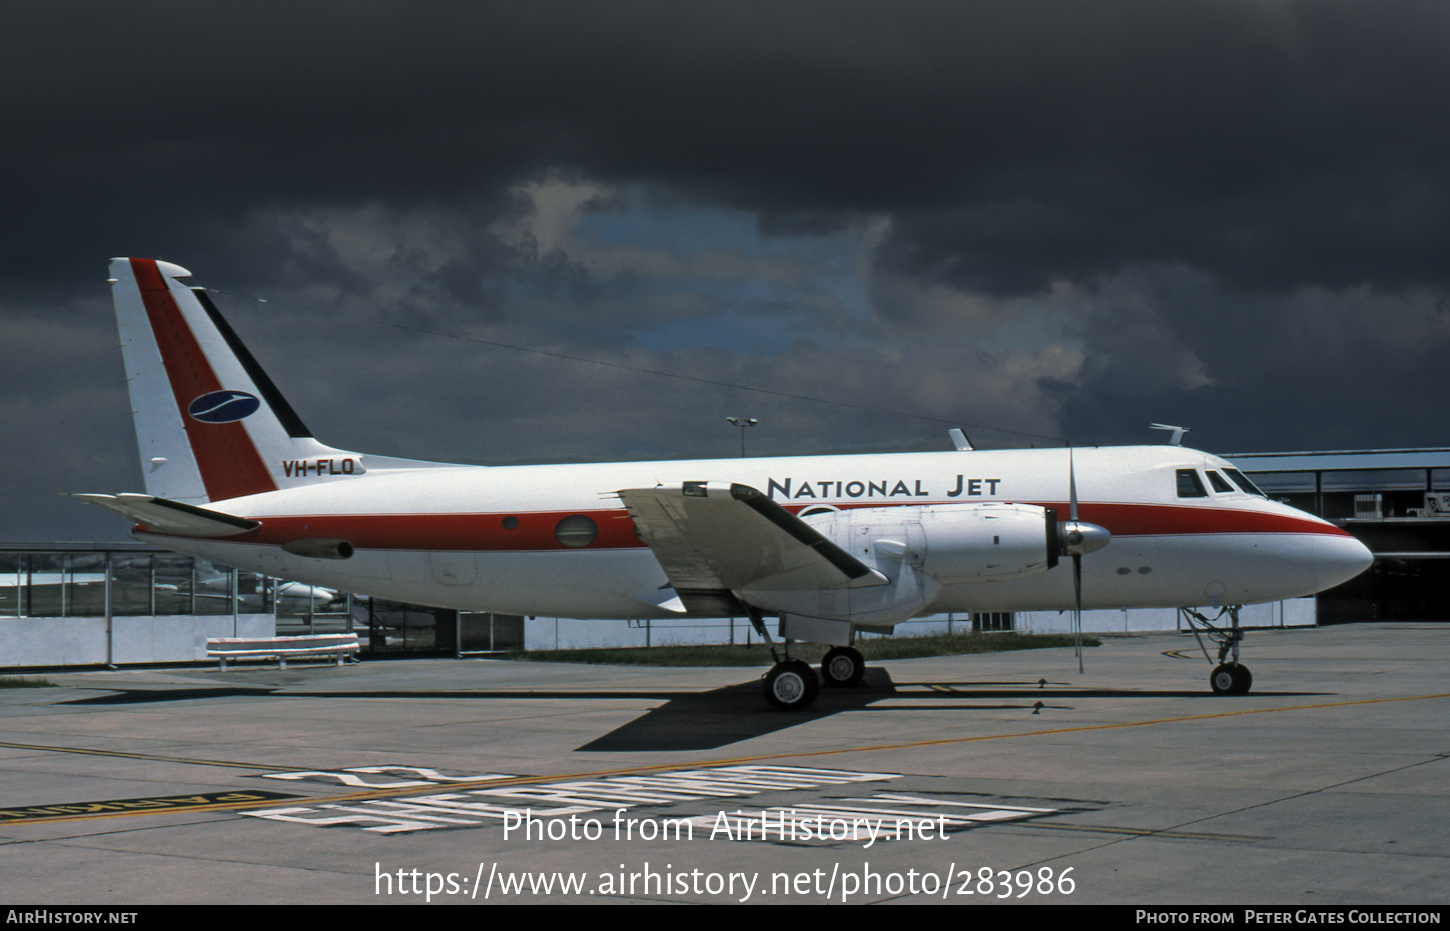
point(1177, 438)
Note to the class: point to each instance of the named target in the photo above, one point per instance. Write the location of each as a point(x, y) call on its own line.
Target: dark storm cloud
point(1272, 143)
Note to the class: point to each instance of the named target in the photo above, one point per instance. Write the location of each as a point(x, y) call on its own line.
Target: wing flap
point(717, 537)
point(173, 517)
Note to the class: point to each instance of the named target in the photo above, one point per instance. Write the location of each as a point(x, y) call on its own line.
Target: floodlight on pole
point(742, 423)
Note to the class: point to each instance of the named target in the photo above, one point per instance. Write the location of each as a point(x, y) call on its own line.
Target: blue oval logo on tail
point(223, 406)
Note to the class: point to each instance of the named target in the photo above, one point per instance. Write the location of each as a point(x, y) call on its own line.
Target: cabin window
point(1219, 484)
point(510, 522)
point(1190, 485)
point(576, 530)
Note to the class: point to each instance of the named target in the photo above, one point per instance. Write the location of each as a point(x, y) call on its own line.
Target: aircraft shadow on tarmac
point(723, 716)
point(689, 720)
point(148, 696)
point(720, 717)
point(717, 718)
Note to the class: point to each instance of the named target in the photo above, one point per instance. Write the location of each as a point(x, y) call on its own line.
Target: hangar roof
point(1342, 459)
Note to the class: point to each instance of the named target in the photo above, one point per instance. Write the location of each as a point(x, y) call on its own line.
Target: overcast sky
point(1037, 220)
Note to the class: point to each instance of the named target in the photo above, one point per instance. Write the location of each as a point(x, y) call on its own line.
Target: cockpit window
point(1243, 482)
point(1190, 485)
point(1218, 483)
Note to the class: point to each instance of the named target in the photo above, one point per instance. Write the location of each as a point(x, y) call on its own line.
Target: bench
point(336, 645)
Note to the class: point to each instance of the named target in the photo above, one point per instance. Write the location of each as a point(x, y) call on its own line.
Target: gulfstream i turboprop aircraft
point(830, 545)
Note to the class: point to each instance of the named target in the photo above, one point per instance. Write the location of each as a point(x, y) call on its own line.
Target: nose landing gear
point(1229, 677)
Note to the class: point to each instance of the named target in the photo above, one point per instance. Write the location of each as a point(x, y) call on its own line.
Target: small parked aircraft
point(830, 545)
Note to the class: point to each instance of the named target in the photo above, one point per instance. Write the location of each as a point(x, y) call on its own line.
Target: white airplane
point(289, 597)
point(831, 545)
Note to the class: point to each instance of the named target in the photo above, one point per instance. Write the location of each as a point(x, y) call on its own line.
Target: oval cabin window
point(576, 530)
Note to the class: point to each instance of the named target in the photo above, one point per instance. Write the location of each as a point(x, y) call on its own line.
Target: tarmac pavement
point(1004, 778)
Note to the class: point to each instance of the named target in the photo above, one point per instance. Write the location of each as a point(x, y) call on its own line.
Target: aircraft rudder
point(167, 464)
point(209, 422)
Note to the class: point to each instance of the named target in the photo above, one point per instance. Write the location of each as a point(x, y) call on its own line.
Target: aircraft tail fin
point(209, 422)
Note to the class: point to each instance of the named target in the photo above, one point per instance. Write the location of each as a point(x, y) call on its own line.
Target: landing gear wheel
point(842, 668)
point(791, 685)
point(1231, 679)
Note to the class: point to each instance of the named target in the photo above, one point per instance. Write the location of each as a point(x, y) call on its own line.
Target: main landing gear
point(842, 668)
point(791, 685)
point(1229, 677)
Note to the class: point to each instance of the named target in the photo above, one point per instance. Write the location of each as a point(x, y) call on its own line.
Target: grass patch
point(25, 682)
point(873, 649)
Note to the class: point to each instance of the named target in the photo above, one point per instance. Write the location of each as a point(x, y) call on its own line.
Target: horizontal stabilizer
point(165, 516)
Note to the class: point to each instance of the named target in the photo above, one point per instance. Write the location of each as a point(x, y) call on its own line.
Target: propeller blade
point(1076, 561)
point(1077, 609)
point(1071, 487)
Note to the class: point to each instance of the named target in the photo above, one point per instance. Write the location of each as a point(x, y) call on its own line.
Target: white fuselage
point(485, 538)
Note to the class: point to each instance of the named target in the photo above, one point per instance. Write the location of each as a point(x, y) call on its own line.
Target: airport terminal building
point(114, 604)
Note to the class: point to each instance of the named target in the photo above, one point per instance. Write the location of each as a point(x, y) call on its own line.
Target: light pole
point(742, 423)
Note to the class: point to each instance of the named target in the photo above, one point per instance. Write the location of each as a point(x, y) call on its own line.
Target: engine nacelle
point(987, 541)
point(949, 542)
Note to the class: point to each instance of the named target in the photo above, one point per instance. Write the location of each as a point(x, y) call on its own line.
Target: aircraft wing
point(165, 516)
point(712, 538)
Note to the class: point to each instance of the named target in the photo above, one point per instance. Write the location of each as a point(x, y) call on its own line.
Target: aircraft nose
point(1339, 559)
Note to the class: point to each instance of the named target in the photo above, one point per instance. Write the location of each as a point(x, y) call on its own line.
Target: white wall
point(1297, 612)
point(81, 641)
point(546, 633)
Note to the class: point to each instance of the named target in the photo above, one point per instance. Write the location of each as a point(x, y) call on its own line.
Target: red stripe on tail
point(228, 460)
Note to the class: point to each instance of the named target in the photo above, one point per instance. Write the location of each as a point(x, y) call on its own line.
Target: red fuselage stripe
point(535, 531)
point(1159, 520)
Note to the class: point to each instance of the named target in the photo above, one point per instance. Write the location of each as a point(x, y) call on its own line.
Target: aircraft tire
point(1230, 679)
point(791, 686)
point(842, 668)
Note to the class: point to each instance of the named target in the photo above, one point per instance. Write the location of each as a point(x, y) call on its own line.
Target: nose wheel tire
point(791, 685)
point(842, 668)
point(1231, 679)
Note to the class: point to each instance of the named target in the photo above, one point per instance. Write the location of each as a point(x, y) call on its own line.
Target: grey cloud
point(1273, 143)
